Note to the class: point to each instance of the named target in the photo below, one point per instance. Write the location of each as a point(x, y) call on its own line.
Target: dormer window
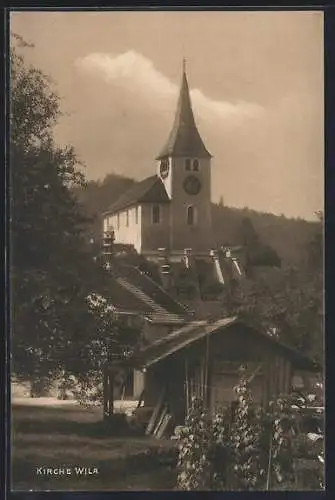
point(164, 168)
point(187, 164)
point(195, 165)
point(156, 214)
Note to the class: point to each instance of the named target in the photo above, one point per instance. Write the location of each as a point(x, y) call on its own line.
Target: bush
point(246, 449)
point(212, 290)
point(245, 437)
point(194, 444)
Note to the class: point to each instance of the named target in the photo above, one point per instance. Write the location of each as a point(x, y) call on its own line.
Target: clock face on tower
point(192, 185)
point(164, 168)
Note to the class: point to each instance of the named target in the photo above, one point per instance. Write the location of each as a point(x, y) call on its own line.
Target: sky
point(256, 81)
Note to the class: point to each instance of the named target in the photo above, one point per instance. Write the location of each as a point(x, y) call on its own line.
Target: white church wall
point(127, 226)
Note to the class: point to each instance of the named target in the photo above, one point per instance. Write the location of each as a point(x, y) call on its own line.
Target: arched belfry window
point(156, 214)
point(191, 215)
point(196, 165)
point(188, 164)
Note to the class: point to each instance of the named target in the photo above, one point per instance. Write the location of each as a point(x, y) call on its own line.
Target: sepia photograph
point(166, 180)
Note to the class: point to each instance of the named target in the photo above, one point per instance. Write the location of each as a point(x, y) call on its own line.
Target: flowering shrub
point(245, 436)
point(247, 449)
point(220, 451)
point(194, 444)
point(321, 469)
point(283, 434)
point(208, 448)
point(297, 455)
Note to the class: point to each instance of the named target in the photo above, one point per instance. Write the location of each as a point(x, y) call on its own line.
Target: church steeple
point(184, 139)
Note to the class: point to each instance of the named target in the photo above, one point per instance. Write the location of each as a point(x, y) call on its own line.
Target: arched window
point(187, 164)
point(191, 215)
point(156, 214)
point(196, 165)
point(127, 218)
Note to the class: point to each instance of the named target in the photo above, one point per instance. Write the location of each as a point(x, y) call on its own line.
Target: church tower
point(184, 165)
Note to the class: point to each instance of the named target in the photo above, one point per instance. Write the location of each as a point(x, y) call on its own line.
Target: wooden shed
point(203, 358)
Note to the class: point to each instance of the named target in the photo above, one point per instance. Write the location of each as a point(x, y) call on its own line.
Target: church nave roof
point(150, 190)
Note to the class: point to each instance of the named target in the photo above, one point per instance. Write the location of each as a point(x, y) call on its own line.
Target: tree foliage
point(98, 196)
point(287, 301)
point(52, 266)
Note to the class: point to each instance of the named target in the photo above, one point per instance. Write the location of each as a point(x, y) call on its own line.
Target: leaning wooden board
point(164, 425)
point(160, 420)
point(155, 413)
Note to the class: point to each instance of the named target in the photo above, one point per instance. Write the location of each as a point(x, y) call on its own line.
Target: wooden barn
point(203, 358)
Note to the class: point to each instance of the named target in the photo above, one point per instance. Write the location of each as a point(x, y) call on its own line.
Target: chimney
point(187, 257)
point(213, 254)
point(108, 246)
point(164, 268)
point(218, 271)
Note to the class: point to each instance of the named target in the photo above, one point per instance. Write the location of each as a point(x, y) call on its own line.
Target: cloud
point(137, 74)
point(263, 156)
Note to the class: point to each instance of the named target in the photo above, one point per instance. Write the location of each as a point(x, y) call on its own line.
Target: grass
point(70, 436)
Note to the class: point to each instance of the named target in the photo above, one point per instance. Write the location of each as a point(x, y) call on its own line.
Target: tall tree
point(314, 248)
point(288, 301)
point(257, 253)
point(52, 266)
point(98, 196)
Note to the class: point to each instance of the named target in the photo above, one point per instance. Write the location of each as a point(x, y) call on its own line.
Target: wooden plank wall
point(277, 378)
point(274, 379)
point(287, 376)
point(139, 382)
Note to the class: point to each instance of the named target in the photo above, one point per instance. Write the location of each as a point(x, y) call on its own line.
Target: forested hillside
point(286, 236)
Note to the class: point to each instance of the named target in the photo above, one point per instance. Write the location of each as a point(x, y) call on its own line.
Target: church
point(186, 331)
point(169, 211)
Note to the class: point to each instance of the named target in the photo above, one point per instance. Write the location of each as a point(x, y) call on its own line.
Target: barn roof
point(166, 319)
point(196, 330)
point(179, 339)
point(150, 190)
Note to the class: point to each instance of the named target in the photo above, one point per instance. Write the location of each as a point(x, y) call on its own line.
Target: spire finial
point(184, 65)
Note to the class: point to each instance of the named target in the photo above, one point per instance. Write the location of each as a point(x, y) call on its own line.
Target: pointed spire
point(184, 139)
point(184, 65)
